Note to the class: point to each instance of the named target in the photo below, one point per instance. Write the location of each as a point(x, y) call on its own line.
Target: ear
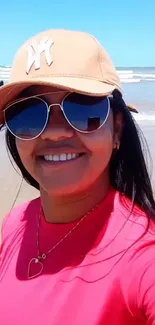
point(118, 130)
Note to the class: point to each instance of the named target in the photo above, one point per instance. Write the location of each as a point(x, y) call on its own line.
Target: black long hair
point(128, 169)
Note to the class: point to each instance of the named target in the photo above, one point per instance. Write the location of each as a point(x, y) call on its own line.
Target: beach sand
point(10, 180)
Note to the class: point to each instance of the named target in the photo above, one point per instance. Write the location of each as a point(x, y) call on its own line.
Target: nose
point(57, 127)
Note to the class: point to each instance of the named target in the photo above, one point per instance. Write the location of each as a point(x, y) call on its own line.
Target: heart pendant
point(36, 265)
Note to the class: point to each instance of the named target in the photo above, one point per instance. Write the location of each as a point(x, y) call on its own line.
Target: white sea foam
point(129, 80)
point(145, 75)
point(142, 117)
point(122, 72)
point(5, 69)
point(130, 76)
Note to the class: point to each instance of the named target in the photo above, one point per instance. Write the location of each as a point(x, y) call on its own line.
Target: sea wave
point(130, 76)
point(5, 69)
point(129, 80)
point(143, 117)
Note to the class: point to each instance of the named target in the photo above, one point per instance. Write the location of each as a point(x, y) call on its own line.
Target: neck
point(71, 208)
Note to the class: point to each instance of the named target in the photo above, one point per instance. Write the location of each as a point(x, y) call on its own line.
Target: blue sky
point(125, 28)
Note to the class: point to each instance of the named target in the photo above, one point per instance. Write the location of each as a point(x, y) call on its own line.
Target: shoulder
point(130, 229)
point(136, 234)
point(137, 282)
point(135, 218)
point(125, 218)
point(19, 215)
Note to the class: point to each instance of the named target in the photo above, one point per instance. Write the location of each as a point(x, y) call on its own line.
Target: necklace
point(39, 260)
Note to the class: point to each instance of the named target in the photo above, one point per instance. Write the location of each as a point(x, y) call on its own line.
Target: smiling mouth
point(63, 157)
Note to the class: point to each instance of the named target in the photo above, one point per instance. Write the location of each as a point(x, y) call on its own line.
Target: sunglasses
point(27, 118)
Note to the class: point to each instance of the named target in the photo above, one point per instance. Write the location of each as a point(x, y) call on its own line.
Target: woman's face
point(59, 138)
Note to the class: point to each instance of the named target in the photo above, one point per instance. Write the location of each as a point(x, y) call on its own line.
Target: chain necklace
point(41, 257)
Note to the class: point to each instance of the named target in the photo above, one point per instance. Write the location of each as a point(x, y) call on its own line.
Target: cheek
point(100, 145)
point(99, 141)
point(25, 150)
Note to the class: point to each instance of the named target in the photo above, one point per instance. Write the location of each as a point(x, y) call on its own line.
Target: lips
point(59, 154)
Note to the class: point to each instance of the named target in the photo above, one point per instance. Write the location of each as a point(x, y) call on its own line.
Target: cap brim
point(10, 91)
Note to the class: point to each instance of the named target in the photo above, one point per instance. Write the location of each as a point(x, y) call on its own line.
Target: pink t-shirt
point(103, 273)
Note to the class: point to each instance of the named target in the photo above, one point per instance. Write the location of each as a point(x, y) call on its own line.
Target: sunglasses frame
point(48, 113)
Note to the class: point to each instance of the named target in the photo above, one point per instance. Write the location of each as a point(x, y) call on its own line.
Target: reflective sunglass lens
point(26, 119)
point(86, 113)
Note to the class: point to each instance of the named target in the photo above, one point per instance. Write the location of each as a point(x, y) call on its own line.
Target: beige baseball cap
point(71, 60)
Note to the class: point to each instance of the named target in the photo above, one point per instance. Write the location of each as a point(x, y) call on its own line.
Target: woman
point(84, 252)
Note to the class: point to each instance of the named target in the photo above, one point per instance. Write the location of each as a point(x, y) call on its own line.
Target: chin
point(63, 189)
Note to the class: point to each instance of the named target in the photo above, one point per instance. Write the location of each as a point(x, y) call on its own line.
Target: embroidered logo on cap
point(35, 51)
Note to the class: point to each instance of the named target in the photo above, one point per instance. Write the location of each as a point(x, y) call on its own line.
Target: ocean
point(139, 90)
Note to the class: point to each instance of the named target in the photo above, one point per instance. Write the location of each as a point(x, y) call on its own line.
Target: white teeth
point(61, 157)
point(69, 156)
point(55, 158)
